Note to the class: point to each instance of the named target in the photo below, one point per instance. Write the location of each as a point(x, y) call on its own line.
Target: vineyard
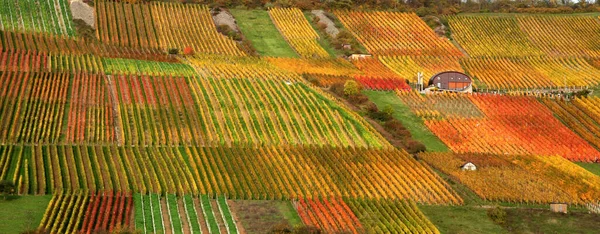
point(298, 32)
point(363, 173)
point(525, 178)
point(331, 215)
point(522, 36)
point(377, 76)
point(510, 125)
point(581, 115)
point(171, 117)
point(52, 16)
point(88, 213)
point(392, 33)
point(161, 25)
point(483, 36)
point(532, 72)
point(186, 214)
point(408, 66)
point(400, 215)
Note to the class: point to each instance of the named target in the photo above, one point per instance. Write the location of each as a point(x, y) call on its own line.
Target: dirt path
point(331, 29)
point(218, 216)
point(185, 225)
point(165, 215)
point(233, 209)
point(200, 213)
point(114, 104)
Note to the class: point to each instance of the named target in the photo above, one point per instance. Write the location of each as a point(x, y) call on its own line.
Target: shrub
point(188, 51)
point(84, 30)
point(321, 25)
point(224, 29)
point(358, 99)
point(381, 116)
point(247, 47)
point(414, 147)
point(396, 128)
point(371, 107)
point(282, 227)
point(7, 188)
point(351, 87)
point(389, 110)
point(173, 51)
point(337, 88)
point(304, 4)
point(307, 230)
point(497, 214)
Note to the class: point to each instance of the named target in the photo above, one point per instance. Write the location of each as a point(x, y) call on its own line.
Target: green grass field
point(461, 219)
point(22, 213)
point(592, 167)
point(545, 221)
point(413, 123)
point(257, 26)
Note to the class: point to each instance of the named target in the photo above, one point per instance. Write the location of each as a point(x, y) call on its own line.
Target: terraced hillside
point(162, 120)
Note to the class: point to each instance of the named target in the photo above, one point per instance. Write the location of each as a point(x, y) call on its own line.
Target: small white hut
point(469, 166)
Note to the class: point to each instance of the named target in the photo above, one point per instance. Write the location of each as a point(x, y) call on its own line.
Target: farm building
point(469, 166)
point(451, 81)
point(558, 208)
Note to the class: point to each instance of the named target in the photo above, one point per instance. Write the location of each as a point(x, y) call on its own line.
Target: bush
point(224, 29)
point(425, 11)
point(338, 89)
point(173, 51)
point(282, 227)
point(497, 214)
point(84, 30)
point(358, 99)
point(396, 128)
point(414, 147)
point(188, 51)
point(351, 88)
point(389, 110)
point(381, 116)
point(371, 107)
point(304, 4)
point(307, 230)
point(247, 47)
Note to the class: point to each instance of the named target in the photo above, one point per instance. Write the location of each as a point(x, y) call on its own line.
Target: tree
point(7, 188)
point(389, 109)
point(351, 88)
point(188, 51)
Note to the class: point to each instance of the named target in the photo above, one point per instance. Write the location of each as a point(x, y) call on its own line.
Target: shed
point(469, 166)
point(558, 207)
point(451, 81)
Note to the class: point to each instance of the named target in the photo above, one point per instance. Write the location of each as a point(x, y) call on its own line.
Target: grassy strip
point(174, 213)
point(460, 219)
point(591, 167)
point(191, 211)
point(139, 211)
point(413, 123)
point(289, 213)
point(156, 213)
point(213, 226)
point(256, 25)
point(226, 214)
point(545, 221)
point(323, 42)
